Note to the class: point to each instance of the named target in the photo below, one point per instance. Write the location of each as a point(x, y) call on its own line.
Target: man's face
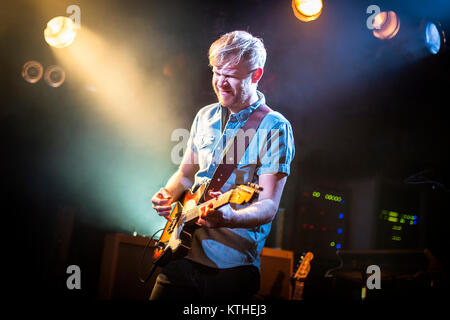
point(233, 85)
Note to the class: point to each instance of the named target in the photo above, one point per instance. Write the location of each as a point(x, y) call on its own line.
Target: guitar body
point(175, 241)
point(176, 238)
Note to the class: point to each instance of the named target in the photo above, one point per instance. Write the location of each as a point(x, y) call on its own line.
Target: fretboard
point(195, 212)
point(298, 290)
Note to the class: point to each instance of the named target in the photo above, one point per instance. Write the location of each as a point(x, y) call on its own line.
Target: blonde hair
point(234, 46)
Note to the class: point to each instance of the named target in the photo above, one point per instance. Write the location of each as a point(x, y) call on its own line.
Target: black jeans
point(185, 280)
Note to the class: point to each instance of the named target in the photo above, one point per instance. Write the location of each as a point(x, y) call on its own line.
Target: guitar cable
point(142, 280)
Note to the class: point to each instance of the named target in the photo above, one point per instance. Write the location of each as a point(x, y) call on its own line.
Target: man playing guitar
point(223, 261)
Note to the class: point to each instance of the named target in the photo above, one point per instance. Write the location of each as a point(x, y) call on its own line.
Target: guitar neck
point(298, 290)
point(217, 202)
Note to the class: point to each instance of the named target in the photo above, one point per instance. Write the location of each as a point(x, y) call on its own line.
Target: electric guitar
point(175, 241)
point(300, 275)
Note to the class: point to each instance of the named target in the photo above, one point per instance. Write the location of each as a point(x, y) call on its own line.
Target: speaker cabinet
point(121, 264)
point(276, 271)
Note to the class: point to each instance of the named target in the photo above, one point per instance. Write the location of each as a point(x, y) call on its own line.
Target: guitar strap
point(231, 154)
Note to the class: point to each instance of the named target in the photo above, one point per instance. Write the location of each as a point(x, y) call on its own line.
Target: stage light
point(307, 10)
point(32, 71)
point(386, 25)
point(60, 32)
point(54, 76)
point(434, 37)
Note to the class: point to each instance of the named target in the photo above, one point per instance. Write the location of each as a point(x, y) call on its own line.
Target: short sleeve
point(191, 157)
point(277, 149)
point(193, 133)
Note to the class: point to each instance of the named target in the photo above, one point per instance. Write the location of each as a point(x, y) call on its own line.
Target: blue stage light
point(434, 36)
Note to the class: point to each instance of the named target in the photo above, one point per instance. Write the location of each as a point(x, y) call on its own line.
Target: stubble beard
point(237, 99)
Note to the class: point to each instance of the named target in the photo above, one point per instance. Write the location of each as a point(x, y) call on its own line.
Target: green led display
point(328, 196)
point(393, 214)
point(333, 198)
point(392, 219)
point(395, 217)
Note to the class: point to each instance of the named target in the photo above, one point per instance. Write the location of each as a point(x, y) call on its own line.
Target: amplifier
point(121, 263)
point(276, 271)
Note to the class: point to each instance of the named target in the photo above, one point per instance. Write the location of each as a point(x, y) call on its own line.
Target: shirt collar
point(244, 114)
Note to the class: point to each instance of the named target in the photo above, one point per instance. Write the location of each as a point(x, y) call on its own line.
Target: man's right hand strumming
point(162, 201)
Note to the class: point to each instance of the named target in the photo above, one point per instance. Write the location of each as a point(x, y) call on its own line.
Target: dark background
point(362, 109)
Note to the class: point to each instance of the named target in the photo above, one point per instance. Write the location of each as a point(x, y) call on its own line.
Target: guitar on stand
point(301, 274)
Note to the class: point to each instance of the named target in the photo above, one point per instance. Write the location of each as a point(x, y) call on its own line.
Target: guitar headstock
point(304, 267)
point(245, 193)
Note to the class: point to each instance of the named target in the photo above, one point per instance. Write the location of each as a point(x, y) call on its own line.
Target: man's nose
point(222, 81)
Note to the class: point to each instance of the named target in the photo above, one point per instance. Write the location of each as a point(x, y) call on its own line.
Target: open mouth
point(225, 93)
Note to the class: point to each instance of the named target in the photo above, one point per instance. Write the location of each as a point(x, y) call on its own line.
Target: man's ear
point(257, 75)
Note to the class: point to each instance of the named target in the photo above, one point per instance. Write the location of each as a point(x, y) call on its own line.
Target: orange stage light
point(60, 32)
point(307, 10)
point(386, 25)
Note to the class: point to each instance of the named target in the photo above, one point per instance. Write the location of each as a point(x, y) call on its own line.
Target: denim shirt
point(270, 151)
